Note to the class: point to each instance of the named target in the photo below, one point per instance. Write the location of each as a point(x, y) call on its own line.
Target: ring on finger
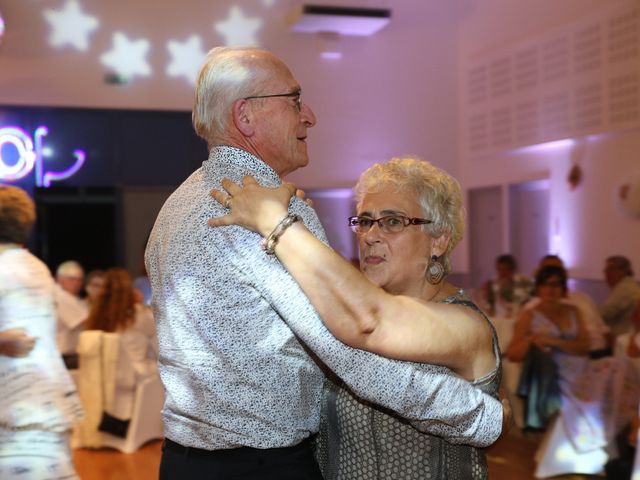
point(227, 202)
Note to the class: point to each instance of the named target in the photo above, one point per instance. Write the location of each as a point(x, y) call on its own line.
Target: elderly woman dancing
point(409, 220)
point(39, 403)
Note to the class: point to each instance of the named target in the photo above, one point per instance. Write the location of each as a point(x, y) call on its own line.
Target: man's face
point(282, 123)
point(551, 289)
point(71, 283)
point(94, 288)
point(612, 274)
point(504, 271)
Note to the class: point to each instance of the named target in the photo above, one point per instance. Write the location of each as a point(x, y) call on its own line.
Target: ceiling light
point(342, 20)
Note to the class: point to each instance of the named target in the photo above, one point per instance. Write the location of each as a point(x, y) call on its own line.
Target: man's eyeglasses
point(297, 97)
point(388, 223)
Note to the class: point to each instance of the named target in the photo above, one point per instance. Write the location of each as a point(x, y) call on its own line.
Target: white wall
point(586, 225)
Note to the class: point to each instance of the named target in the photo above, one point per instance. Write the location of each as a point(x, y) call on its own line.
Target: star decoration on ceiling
point(186, 58)
point(238, 29)
point(127, 57)
point(69, 26)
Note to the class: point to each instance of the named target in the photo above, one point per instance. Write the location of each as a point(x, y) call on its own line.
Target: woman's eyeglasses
point(387, 224)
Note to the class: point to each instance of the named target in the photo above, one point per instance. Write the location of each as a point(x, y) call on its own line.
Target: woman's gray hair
point(228, 74)
point(17, 214)
point(437, 192)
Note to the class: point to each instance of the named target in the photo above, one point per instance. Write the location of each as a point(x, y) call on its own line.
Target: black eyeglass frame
point(354, 222)
point(298, 100)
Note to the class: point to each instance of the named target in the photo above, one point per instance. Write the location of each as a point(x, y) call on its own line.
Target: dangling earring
point(435, 271)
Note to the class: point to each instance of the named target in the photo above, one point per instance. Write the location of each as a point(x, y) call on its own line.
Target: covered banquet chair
point(113, 392)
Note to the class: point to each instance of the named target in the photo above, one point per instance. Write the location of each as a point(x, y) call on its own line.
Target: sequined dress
point(361, 441)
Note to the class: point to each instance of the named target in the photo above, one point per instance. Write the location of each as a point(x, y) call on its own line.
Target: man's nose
point(307, 116)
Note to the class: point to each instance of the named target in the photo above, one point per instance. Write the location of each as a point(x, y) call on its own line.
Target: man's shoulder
point(631, 284)
point(191, 197)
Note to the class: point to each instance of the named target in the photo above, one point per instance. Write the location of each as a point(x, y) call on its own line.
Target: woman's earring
point(435, 271)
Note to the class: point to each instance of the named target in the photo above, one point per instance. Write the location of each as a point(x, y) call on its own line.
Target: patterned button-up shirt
point(231, 322)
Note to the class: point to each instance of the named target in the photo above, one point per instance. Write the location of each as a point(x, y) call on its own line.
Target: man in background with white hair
point(618, 307)
point(71, 310)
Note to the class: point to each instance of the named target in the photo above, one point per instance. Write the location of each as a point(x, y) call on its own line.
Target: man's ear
point(242, 117)
point(439, 245)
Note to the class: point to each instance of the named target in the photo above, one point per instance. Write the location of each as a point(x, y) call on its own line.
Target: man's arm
point(431, 398)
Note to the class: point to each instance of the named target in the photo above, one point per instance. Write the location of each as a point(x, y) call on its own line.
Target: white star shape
point(238, 29)
point(186, 58)
point(70, 26)
point(127, 57)
point(268, 3)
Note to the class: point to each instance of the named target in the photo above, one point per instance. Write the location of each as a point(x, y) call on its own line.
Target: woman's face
point(551, 289)
point(95, 288)
point(394, 261)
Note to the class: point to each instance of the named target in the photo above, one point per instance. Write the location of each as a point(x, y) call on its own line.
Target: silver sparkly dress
point(361, 441)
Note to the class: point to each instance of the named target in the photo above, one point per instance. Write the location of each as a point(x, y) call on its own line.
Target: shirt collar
point(224, 154)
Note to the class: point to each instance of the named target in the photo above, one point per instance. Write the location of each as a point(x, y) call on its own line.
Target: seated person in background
point(618, 307)
point(598, 330)
point(589, 389)
point(503, 295)
point(115, 311)
point(628, 344)
point(70, 277)
point(71, 310)
point(409, 220)
point(38, 403)
point(94, 286)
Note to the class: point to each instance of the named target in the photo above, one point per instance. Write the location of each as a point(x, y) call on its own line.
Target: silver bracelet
point(269, 243)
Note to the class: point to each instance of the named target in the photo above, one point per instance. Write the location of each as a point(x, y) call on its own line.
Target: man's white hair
point(70, 268)
point(228, 74)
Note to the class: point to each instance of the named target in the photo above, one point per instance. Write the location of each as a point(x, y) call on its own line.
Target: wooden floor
point(511, 458)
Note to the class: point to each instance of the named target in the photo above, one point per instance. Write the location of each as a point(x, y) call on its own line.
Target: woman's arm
point(14, 342)
point(522, 339)
point(580, 345)
point(356, 311)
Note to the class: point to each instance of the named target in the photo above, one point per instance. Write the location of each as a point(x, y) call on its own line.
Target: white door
point(529, 223)
point(485, 232)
